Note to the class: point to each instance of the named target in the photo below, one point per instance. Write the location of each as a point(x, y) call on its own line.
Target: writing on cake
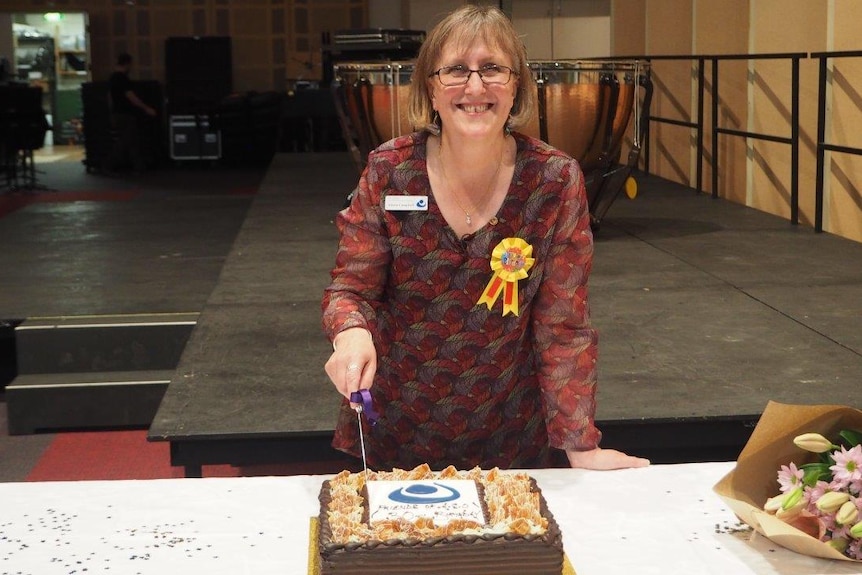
point(442, 501)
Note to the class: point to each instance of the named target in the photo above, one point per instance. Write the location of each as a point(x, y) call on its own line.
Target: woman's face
point(476, 109)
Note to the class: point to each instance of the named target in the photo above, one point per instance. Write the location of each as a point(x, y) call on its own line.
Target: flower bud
point(773, 504)
point(792, 505)
point(791, 514)
point(792, 500)
point(813, 442)
point(831, 501)
point(856, 531)
point(839, 544)
point(847, 513)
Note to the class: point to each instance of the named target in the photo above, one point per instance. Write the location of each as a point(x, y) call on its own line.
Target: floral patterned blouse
point(458, 383)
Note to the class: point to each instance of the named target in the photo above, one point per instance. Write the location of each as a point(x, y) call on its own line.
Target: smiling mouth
point(475, 108)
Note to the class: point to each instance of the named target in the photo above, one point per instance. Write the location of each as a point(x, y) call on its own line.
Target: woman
point(459, 297)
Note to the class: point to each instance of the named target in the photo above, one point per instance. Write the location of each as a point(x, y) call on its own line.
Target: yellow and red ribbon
point(510, 262)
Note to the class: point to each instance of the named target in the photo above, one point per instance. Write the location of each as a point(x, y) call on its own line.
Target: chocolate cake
point(519, 534)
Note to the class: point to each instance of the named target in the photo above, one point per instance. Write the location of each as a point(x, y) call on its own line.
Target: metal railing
point(822, 145)
point(792, 140)
point(697, 124)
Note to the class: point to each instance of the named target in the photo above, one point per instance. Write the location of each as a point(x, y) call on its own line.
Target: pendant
point(469, 220)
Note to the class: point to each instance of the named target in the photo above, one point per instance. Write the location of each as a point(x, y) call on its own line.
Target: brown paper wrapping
point(754, 479)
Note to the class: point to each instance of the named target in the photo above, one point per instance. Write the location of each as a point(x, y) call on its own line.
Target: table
point(662, 519)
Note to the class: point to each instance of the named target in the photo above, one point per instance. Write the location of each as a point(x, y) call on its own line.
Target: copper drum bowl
point(585, 109)
point(373, 96)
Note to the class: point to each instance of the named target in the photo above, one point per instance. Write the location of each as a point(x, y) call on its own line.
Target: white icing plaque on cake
point(441, 500)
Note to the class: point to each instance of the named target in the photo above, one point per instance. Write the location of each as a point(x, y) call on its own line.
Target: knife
point(362, 404)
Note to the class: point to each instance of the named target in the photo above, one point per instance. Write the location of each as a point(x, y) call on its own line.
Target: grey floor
point(155, 242)
point(706, 309)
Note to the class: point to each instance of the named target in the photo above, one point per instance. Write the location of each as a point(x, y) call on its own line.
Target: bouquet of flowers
point(816, 507)
point(823, 498)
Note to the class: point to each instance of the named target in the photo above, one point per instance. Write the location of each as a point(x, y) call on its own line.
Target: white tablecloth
point(662, 519)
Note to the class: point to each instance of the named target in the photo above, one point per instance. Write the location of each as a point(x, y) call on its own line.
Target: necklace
point(484, 198)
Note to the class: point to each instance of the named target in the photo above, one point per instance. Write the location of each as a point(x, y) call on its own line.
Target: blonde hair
point(464, 27)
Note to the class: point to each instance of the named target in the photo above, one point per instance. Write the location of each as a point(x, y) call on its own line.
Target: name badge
point(406, 203)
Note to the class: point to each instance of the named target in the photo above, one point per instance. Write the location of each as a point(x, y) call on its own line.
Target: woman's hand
point(352, 365)
point(604, 459)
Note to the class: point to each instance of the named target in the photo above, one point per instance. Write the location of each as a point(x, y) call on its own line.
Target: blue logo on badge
point(421, 203)
point(424, 493)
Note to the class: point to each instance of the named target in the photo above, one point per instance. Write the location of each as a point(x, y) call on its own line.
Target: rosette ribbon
point(510, 262)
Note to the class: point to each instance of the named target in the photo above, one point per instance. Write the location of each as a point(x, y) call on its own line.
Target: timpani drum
point(373, 96)
point(585, 108)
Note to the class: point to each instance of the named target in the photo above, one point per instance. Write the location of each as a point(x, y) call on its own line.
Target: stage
point(706, 310)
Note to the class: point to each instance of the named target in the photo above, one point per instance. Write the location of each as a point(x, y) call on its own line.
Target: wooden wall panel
point(250, 21)
point(800, 28)
point(669, 32)
point(171, 21)
point(843, 197)
point(424, 15)
point(669, 26)
point(732, 114)
point(628, 32)
point(628, 38)
point(730, 36)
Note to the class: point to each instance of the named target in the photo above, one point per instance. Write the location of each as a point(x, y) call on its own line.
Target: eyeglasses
point(459, 75)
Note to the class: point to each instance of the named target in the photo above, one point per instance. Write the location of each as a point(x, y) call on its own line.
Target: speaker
point(22, 121)
point(198, 73)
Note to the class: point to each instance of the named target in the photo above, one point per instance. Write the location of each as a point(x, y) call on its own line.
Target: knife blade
point(358, 410)
point(362, 403)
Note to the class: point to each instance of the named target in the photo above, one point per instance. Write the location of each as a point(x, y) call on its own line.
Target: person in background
point(126, 109)
point(459, 292)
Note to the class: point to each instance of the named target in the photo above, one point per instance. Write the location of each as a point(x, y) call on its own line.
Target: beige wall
point(801, 28)
point(628, 33)
point(563, 29)
point(669, 32)
point(731, 37)
point(755, 96)
point(843, 193)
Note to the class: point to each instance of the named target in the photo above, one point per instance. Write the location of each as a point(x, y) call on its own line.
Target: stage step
point(53, 401)
point(102, 343)
point(93, 372)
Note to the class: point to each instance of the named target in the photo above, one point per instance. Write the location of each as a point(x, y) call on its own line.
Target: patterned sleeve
point(565, 340)
point(363, 256)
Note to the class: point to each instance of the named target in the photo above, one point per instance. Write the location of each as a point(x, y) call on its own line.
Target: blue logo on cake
point(424, 493)
point(421, 203)
point(441, 500)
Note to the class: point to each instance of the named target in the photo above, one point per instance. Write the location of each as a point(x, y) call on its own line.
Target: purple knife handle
point(363, 396)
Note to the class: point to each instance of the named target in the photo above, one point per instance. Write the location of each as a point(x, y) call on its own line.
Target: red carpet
point(11, 202)
point(96, 455)
point(106, 455)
